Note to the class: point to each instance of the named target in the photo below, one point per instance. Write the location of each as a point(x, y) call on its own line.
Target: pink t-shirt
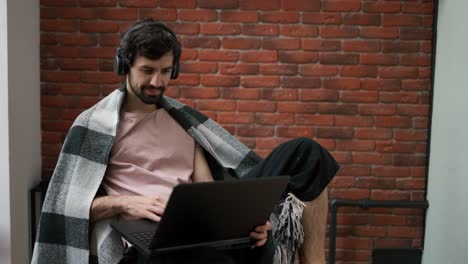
point(152, 153)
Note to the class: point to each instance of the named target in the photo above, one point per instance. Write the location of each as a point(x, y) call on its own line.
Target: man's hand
point(133, 207)
point(260, 233)
point(127, 206)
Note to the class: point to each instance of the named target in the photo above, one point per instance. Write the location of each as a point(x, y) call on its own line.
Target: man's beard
point(147, 99)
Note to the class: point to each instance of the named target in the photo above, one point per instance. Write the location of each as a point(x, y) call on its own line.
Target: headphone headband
point(122, 65)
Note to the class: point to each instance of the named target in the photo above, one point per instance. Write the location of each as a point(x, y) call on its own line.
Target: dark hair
point(150, 39)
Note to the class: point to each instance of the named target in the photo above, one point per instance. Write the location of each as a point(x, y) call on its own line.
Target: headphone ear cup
point(117, 65)
point(175, 71)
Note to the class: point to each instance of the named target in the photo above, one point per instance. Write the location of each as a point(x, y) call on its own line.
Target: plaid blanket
point(64, 233)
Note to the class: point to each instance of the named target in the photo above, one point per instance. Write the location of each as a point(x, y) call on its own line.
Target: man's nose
point(156, 80)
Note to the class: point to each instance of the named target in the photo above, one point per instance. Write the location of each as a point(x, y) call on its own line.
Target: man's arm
point(128, 206)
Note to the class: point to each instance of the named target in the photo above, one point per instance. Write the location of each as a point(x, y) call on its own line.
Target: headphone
point(122, 65)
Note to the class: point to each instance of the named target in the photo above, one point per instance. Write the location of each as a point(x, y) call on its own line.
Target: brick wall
point(352, 74)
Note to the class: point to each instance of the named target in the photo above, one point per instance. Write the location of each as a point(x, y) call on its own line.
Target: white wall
point(4, 154)
point(446, 238)
point(20, 136)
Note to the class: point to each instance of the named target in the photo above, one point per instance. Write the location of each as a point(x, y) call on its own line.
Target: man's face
point(148, 78)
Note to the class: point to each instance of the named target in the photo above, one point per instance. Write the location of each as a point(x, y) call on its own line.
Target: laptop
point(216, 214)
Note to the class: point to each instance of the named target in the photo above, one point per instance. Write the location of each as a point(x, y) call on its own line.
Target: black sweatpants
point(310, 167)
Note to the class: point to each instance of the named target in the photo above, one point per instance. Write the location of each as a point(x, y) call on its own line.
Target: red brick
point(187, 79)
point(298, 31)
point(339, 59)
point(295, 131)
point(60, 76)
point(138, 3)
point(321, 45)
point(373, 133)
point(318, 70)
point(341, 5)
point(334, 132)
point(255, 131)
point(361, 45)
point(411, 184)
point(241, 43)
point(298, 107)
point(339, 32)
point(415, 60)
point(260, 30)
point(379, 33)
point(185, 28)
point(280, 17)
point(58, 2)
point(259, 5)
point(99, 77)
point(371, 158)
point(353, 121)
point(198, 15)
point(404, 232)
point(190, 54)
point(240, 93)
point(59, 25)
point(321, 18)
point(427, 21)
point(401, 20)
point(218, 55)
point(359, 71)
point(220, 29)
point(77, 39)
point(201, 42)
point(400, 47)
point(342, 84)
point(161, 14)
point(238, 68)
point(236, 118)
point(361, 19)
point(216, 105)
point(418, 8)
point(300, 82)
point(411, 135)
point(275, 69)
point(259, 56)
point(333, 108)
point(375, 183)
point(117, 14)
point(301, 5)
point(298, 57)
point(274, 119)
point(199, 67)
point(392, 243)
point(280, 94)
point(99, 26)
point(98, 3)
point(426, 46)
point(354, 194)
point(320, 120)
point(79, 89)
point(380, 84)
point(197, 92)
point(216, 4)
point(269, 143)
point(322, 95)
point(178, 3)
point(416, 84)
point(78, 64)
point(355, 145)
point(378, 59)
point(414, 159)
point(398, 97)
point(391, 171)
point(377, 109)
point(420, 122)
point(398, 72)
point(392, 121)
point(342, 182)
point(415, 34)
point(220, 80)
point(260, 81)
point(381, 7)
point(97, 52)
point(413, 110)
point(281, 44)
point(236, 16)
point(354, 170)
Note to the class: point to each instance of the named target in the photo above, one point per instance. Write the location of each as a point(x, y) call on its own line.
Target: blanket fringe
point(288, 231)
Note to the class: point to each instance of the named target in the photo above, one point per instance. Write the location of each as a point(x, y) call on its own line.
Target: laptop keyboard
point(145, 237)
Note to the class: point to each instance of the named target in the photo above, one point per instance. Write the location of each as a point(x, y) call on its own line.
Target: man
point(123, 157)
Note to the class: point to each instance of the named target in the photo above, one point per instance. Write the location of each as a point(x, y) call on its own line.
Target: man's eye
point(148, 71)
point(167, 71)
